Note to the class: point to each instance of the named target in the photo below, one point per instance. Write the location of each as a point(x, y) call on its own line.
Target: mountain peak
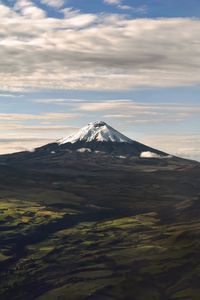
point(98, 124)
point(96, 131)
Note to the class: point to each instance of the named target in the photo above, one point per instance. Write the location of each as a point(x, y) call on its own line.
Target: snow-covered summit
point(96, 131)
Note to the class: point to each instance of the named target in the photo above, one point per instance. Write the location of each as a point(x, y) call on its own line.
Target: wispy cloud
point(120, 4)
point(131, 112)
point(33, 128)
point(129, 105)
point(20, 136)
point(42, 117)
point(59, 101)
point(13, 96)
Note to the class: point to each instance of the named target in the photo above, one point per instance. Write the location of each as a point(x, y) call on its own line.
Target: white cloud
point(148, 154)
point(28, 9)
point(6, 12)
point(21, 144)
point(73, 18)
point(95, 52)
point(115, 2)
point(179, 145)
point(53, 3)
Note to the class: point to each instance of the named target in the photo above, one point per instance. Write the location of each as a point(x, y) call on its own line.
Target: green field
point(134, 256)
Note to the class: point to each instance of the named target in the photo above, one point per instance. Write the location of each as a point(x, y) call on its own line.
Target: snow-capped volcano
point(96, 131)
point(98, 138)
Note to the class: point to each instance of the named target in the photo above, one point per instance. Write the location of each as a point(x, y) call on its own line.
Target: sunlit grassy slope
point(129, 258)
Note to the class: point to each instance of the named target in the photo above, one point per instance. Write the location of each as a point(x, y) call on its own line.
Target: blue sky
point(154, 8)
point(134, 64)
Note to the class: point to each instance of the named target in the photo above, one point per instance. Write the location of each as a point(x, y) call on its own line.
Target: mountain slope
point(98, 132)
point(95, 226)
point(98, 137)
point(95, 138)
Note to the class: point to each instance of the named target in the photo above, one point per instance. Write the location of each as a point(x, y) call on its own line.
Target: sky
point(134, 64)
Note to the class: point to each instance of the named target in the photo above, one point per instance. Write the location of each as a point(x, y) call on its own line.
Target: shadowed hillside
point(94, 226)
